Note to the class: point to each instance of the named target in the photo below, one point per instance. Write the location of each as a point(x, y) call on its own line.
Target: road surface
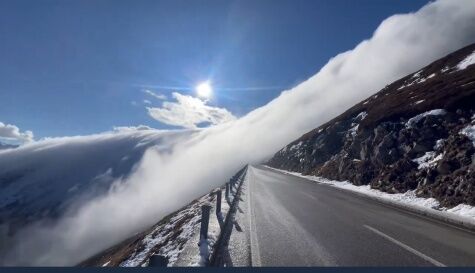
point(298, 222)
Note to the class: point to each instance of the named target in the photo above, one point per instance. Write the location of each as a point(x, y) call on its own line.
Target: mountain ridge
point(389, 139)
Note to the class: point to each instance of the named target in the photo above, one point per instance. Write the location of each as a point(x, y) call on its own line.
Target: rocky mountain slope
point(417, 133)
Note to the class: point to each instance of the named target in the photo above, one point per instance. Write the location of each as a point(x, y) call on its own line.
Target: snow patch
point(469, 131)
point(439, 144)
point(428, 160)
point(353, 130)
point(463, 210)
point(354, 126)
point(296, 146)
point(419, 101)
point(469, 60)
point(436, 112)
point(417, 74)
point(445, 69)
point(205, 250)
point(361, 116)
point(417, 80)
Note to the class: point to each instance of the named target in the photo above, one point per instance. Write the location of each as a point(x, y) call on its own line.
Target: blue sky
point(81, 67)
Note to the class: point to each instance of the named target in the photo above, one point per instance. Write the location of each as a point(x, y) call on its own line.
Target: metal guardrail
point(232, 193)
point(221, 244)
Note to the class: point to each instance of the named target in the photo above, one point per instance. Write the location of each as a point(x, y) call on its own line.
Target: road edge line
point(255, 254)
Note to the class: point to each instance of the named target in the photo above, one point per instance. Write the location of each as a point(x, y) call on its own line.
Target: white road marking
point(406, 247)
point(255, 254)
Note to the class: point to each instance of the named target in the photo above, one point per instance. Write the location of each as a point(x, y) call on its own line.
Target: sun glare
point(204, 90)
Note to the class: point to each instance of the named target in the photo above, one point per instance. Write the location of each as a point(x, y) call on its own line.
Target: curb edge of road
point(444, 217)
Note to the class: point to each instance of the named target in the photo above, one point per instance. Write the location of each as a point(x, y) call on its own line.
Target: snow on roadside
point(407, 198)
point(197, 250)
point(161, 239)
point(206, 246)
point(462, 209)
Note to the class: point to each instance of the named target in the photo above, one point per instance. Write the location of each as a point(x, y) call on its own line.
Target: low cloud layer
point(12, 134)
point(164, 180)
point(189, 112)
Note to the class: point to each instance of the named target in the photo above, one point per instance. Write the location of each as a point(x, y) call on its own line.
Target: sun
point(204, 90)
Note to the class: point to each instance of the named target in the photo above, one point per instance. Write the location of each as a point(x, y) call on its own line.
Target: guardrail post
point(218, 202)
point(205, 209)
point(219, 215)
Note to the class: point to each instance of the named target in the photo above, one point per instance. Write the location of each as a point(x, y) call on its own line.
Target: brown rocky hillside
point(417, 133)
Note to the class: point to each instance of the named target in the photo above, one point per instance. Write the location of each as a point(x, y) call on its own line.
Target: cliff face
point(417, 133)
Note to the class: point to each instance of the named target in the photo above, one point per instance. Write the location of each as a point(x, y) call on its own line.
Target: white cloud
point(155, 95)
point(132, 128)
point(189, 112)
point(165, 179)
point(11, 133)
point(147, 102)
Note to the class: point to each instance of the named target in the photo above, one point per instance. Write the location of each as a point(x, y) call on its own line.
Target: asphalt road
point(297, 222)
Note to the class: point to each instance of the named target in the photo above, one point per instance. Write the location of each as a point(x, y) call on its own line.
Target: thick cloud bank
point(42, 179)
point(164, 180)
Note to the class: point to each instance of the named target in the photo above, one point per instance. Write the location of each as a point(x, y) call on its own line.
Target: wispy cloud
point(189, 112)
point(132, 128)
point(155, 95)
point(147, 102)
point(11, 134)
